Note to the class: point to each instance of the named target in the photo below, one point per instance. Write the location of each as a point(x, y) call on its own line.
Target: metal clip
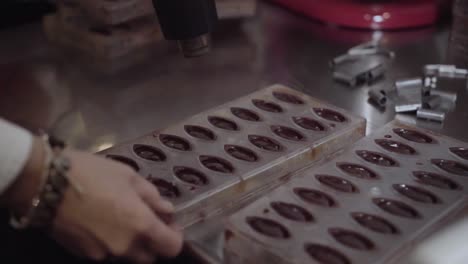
point(409, 93)
point(379, 96)
point(446, 71)
point(432, 102)
point(411, 83)
point(431, 115)
point(359, 71)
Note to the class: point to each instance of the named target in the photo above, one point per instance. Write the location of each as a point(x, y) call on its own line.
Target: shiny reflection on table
point(94, 104)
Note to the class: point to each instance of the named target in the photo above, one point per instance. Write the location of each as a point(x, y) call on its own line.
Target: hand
point(117, 215)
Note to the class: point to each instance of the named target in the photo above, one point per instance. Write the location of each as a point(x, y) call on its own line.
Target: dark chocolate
point(412, 135)
point(267, 106)
point(149, 153)
point(396, 208)
point(330, 115)
point(288, 98)
point(287, 133)
point(124, 160)
point(436, 180)
point(315, 197)
point(451, 166)
point(292, 212)
point(337, 183)
point(241, 153)
point(165, 188)
point(358, 171)
point(377, 158)
point(265, 143)
point(191, 176)
point(175, 142)
point(460, 152)
point(351, 239)
point(223, 123)
point(395, 146)
point(325, 255)
point(217, 164)
point(268, 227)
point(245, 114)
point(200, 132)
point(308, 123)
point(374, 223)
point(416, 193)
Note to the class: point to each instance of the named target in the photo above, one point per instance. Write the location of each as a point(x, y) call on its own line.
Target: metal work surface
point(96, 105)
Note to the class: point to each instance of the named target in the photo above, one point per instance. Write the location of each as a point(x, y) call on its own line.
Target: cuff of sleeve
point(15, 148)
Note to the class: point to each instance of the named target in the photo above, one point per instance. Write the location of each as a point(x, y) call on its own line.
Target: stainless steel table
point(95, 105)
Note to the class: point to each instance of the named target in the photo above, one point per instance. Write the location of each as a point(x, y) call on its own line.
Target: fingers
point(164, 240)
point(161, 239)
point(150, 195)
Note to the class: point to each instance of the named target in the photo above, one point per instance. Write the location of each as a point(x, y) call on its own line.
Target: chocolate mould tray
point(368, 205)
point(194, 169)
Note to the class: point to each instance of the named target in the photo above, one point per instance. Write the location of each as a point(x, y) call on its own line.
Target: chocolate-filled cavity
point(315, 197)
point(451, 166)
point(330, 115)
point(337, 183)
point(268, 227)
point(412, 135)
point(245, 114)
point(217, 164)
point(165, 188)
point(200, 132)
point(308, 123)
point(377, 158)
point(287, 133)
point(416, 193)
point(265, 143)
point(374, 223)
point(190, 176)
point(292, 212)
point(358, 171)
point(396, 208)
point(325, 255)
point(267, 106)
point(395, 146)
point(124, 160)
point(241, 153)
point(223, 123)
point(288, 98)
point(436, 180)
point(175, 142)
point(460, 152)
point(149, 153)
point(351, 239)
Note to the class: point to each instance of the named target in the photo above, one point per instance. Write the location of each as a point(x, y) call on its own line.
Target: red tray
point(392, 14)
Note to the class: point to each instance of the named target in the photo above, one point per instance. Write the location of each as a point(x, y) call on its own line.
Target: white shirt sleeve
point(15, 148)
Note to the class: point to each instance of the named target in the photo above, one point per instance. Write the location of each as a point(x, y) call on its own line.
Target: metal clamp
point(360, 65)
